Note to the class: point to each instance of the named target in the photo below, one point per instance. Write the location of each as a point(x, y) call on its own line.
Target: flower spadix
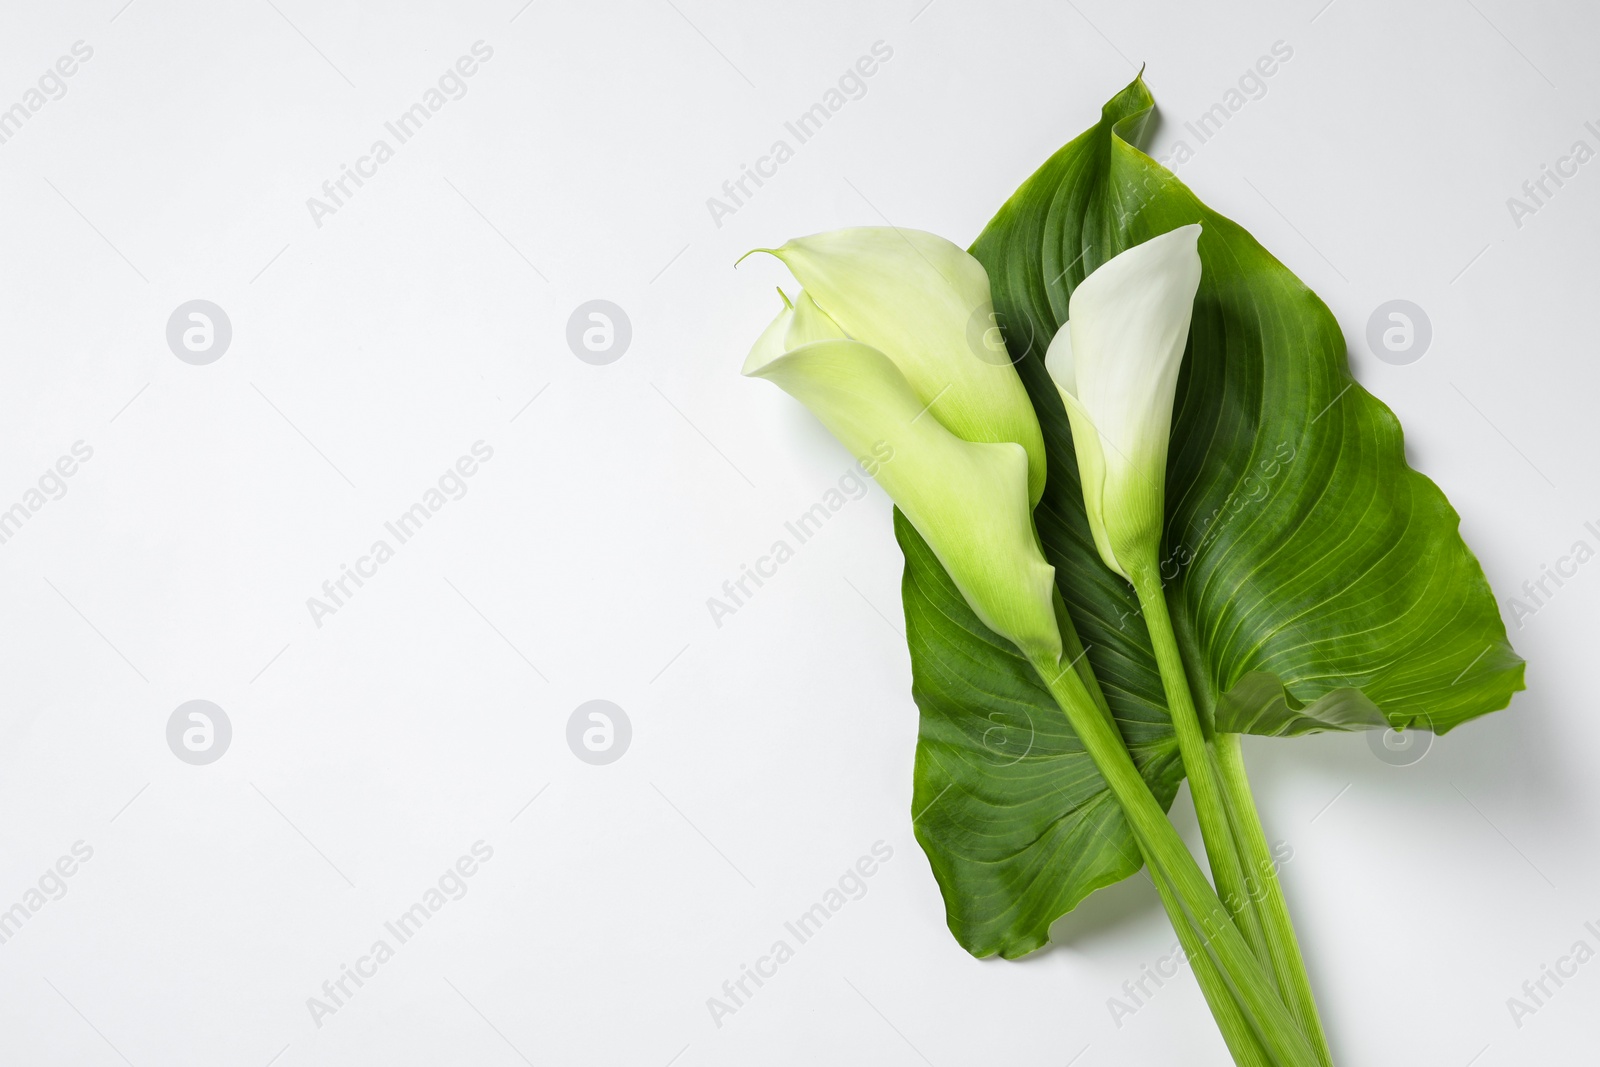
point(969, 500)
point(1115, 361)
point(924, 303)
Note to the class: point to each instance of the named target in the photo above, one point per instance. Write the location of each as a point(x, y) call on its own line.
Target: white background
point(767, 754)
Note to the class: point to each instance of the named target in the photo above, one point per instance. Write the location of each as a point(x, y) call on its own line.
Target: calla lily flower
point(969, 500)
point(1115, 361)
point(925, 304)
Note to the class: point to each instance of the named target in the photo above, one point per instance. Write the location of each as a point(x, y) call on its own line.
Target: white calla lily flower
point(969, 500)
point(925, 304)
point(1115, 361)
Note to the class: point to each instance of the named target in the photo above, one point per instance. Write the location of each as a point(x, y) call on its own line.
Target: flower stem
point(1243, 1043)
point(1287, 962)
point(1217, 941)
point(1205, 783)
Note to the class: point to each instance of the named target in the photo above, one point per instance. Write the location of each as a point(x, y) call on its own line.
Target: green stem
point(1243, 1044)
point(1241, 1038)
point(1216, 937)
point(1205, 783)
point(1287, 963)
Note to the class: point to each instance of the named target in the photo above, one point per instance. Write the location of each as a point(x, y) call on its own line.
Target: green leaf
point(1016, 821)
point(1316, 580)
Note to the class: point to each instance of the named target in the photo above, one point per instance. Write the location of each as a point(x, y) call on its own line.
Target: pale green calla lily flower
point(968, 500)
point(925, 304)
point(1116, 363)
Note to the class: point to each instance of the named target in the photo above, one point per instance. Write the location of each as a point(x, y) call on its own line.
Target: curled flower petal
point(925, 304)
point(968, 500)
point(1116, 362)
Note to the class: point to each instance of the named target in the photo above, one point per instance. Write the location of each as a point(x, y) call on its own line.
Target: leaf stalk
point(1236, 844)
point(1267, 900)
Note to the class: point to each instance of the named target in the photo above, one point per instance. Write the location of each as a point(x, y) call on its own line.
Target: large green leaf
point(1316, 581)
